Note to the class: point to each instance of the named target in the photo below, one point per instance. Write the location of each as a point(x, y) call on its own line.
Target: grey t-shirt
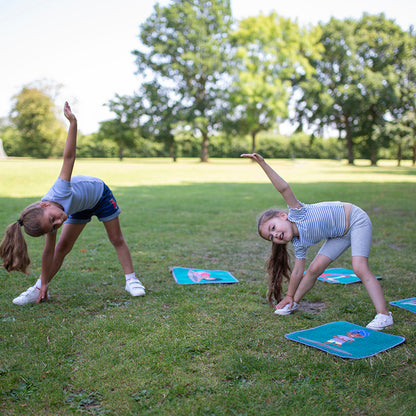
point(81, 193)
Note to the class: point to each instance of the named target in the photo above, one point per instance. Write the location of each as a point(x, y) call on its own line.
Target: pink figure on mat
point(197, 276)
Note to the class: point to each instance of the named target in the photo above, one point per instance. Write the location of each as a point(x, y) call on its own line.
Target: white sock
point(130, 276)
point(38, 284)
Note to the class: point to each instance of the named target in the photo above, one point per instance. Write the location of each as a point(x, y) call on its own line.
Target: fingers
point(43, 296)
point(254, 156)
point(68, 112)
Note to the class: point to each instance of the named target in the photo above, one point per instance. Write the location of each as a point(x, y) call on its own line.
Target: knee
point(361, 269)
point(117, 240)
point(62, 248)
point(315, 269)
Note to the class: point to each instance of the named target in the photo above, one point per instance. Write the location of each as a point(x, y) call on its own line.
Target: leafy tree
point(398, 132)
point(380, 44)
point(355, 84)
point(185, 55)
point(272, 54)
point(11, 139)
point(158, 115)
point(42, 134)
point(123, 129)
point(405, 113)
point(330, 97)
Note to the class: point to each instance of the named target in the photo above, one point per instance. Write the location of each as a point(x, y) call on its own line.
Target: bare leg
point(315, 269)
point(117, 240)
point(372, 285)
point(69, 234)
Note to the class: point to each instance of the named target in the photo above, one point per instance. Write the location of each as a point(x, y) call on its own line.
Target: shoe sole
point(139, 294)
point(379, 329)
point(283, 312)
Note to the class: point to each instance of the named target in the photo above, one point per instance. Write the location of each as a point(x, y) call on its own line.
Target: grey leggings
point(358, 237)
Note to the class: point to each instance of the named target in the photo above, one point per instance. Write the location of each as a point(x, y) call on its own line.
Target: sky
point(84, 46)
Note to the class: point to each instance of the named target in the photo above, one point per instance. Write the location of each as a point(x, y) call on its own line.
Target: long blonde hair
point(278, 264)
point(13, 248)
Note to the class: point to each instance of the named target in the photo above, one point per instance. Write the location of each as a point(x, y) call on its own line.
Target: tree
point(33, 114)
point(158, 115)
point(185, 55)
point(405, 113)
point(271, 54)
point(399, 133)
point(329, 98)
point(123, 130)
point(355, 84)
point(380, 44)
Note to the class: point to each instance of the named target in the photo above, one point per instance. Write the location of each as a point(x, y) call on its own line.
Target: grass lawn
point(202, 349)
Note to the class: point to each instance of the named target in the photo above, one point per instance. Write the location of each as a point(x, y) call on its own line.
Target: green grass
point(202, 350)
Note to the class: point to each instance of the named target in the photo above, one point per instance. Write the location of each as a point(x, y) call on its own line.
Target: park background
point(205, 83)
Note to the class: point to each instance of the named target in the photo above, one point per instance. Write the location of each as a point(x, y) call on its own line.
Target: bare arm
point(70, 145)
point(278, 182)
point(294, 281)
point(47, 260)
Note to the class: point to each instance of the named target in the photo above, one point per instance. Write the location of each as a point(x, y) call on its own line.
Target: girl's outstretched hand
point(255, 156)
point(68, 112)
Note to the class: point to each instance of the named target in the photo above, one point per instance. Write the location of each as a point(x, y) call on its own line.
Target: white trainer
point(29, 296)
point(286, 310)
point(135, 287)
point(381, 321)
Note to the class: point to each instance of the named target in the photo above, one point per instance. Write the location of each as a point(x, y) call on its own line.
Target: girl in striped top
point(341, 224)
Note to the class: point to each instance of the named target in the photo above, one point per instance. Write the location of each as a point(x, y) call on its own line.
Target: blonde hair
point(13, 248)
point(278, 264)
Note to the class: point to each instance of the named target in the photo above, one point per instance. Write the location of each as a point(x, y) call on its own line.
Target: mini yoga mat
point(186, 276)
point(409, 304)
point(346, 340)
point(343, 276)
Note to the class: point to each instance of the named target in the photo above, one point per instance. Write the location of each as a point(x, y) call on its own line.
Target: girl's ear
point(282, 215)
point(44, 204)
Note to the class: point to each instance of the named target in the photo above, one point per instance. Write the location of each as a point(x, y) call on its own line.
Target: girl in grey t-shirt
point(70, 204)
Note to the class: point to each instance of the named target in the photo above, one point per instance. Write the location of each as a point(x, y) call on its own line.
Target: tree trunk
point(253, 142)
point(373, 152)
point(172, 151)
point(399, 154)
point(350, 147)
point(204, 147)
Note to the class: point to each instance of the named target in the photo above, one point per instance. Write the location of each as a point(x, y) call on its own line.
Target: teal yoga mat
point(343, 276)
point(187, 276)
point(409, 304)
point(346, 340)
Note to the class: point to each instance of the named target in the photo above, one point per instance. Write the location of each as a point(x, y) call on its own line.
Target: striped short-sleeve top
point(316, 222)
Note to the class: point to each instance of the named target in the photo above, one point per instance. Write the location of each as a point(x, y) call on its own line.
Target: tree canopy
point(184, 59)
point(41, 133)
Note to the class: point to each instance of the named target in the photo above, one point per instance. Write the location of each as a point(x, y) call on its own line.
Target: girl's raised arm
point(70, 145)
point(279, 183)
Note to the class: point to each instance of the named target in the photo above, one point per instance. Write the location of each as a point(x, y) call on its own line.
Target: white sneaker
point(135, 287)
point(381, 321)
point(286, 310)
point(29, 296)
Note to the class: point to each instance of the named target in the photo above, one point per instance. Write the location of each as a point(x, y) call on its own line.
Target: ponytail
point(278, 263)
point(278, 268)
point(13, 248)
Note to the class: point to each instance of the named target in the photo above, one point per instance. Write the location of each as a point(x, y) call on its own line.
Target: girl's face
point(278, 229)
point(53, 217)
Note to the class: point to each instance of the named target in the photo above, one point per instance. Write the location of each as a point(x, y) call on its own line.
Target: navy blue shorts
point(105, 210)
